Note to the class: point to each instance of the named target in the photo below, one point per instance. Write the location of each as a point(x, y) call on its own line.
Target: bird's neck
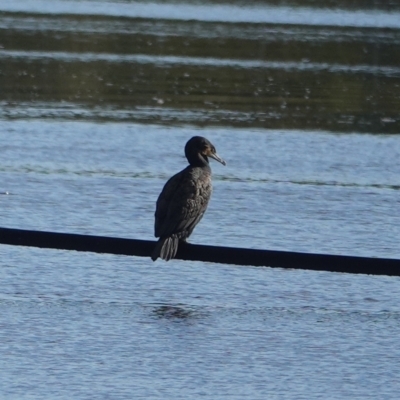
point(198, 160)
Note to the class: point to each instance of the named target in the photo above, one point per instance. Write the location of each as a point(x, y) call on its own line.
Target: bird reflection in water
point(173, 312)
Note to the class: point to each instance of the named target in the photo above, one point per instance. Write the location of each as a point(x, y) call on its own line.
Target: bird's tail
point(166, 248)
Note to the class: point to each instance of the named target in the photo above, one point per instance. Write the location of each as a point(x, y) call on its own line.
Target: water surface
point(300, 98)
point(261, 65)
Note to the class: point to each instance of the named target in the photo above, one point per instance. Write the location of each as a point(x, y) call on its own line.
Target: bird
point(184, 199)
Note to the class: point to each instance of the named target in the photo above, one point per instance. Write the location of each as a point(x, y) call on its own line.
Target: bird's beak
point(216, 157)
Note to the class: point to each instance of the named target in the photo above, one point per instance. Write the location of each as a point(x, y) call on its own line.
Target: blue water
point(94, 115)
point(298, 191)
point(94, 326)
point(100, 326)
point(212, 11)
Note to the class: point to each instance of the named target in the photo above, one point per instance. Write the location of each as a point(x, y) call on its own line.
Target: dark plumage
point(184, 199)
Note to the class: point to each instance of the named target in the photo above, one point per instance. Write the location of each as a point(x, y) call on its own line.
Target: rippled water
point(214, 11)
point(75, 324)
point(333, 69)
point(289, 190)
point(95, 109)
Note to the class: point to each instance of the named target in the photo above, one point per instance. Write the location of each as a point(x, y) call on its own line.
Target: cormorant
point(184, 199)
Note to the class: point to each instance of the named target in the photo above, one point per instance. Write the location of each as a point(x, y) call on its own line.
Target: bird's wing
point(181, 205)
point(164, 200)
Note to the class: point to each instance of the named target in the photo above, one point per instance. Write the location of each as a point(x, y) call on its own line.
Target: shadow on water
point(179, 312)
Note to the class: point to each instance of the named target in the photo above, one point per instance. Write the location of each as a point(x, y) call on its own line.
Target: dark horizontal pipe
point(216, 254)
